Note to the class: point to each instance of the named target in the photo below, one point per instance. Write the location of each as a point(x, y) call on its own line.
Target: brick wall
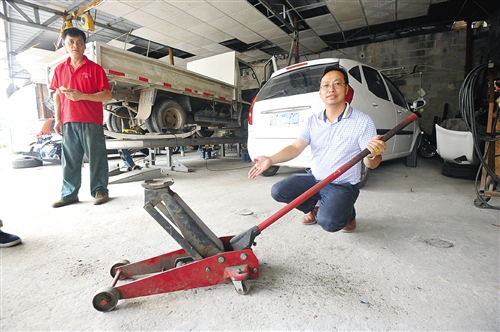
point(494, 40)
point(433, 62)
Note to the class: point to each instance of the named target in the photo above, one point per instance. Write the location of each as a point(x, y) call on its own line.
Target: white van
point(291, 95)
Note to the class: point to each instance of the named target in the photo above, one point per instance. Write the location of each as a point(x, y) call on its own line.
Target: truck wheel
point(204, 132)
point(166, 114)
point(243, 130)
point(116, 124)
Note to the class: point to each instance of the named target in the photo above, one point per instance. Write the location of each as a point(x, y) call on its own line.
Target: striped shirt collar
point(344, 115)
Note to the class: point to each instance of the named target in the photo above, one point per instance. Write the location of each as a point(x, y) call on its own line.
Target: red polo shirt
point(88, 78)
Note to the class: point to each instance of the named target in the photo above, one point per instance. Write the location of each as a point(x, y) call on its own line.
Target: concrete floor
point(384, 276)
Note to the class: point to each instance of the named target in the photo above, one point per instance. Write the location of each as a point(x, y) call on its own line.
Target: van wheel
point(365, 171)
point(271, 171)
point(26, 162)
point(166, 114)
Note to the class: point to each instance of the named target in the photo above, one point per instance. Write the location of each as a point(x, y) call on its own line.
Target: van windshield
point(294, 82)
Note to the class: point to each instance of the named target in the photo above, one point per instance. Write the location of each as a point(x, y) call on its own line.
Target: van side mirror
point(419, 103)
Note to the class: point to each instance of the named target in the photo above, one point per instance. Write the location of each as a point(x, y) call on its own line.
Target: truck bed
point(123, 66)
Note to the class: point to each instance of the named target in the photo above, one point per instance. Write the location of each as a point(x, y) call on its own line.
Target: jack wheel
point(241, 287)
point(106, 299)
point(183, 261)
point(112, 271)
point(481, 203)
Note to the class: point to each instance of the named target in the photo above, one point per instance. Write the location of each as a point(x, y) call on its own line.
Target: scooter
point(426, 148)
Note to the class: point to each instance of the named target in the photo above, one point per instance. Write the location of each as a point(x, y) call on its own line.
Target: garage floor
point(384, 276)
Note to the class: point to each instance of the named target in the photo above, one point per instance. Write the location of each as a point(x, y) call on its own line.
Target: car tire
point(365, 171)
point(458, 171)
point(411, 160)
point(26, 162)
point(271, 171)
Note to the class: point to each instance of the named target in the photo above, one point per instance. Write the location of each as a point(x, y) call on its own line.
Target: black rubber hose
point(467, 111)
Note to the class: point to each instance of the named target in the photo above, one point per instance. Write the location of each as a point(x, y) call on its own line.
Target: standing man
point(80, 87)
point(335, 135)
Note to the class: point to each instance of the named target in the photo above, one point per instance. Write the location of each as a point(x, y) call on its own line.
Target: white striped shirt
point(333, 144)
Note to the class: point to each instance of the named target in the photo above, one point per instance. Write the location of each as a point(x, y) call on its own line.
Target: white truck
point(153, 96)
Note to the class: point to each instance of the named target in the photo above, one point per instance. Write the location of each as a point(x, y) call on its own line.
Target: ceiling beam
point(28, 24)
point(35, 7)
point(58, 15)
point(276, 14)
point(364, 16)
point(20, 11)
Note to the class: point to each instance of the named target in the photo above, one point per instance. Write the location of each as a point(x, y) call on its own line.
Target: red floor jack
point(205, 259)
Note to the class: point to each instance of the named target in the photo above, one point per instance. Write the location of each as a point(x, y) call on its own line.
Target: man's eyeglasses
point(334, 85)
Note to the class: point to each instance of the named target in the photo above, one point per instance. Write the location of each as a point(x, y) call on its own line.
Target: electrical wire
point(467, 111)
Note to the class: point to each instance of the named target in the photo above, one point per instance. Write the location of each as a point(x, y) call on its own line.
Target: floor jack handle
point(341, 170)
point(245, 239)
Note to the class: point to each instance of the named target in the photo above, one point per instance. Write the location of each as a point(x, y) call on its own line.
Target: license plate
point(284, 119)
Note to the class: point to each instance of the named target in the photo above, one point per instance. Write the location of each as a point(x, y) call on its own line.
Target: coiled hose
point(467, 110)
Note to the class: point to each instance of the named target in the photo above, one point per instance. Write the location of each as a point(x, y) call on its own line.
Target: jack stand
point(205, 259)
point(115, 170)
point(206, 153)
point(127, 158)
point(245, 157)
point(173, 163)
